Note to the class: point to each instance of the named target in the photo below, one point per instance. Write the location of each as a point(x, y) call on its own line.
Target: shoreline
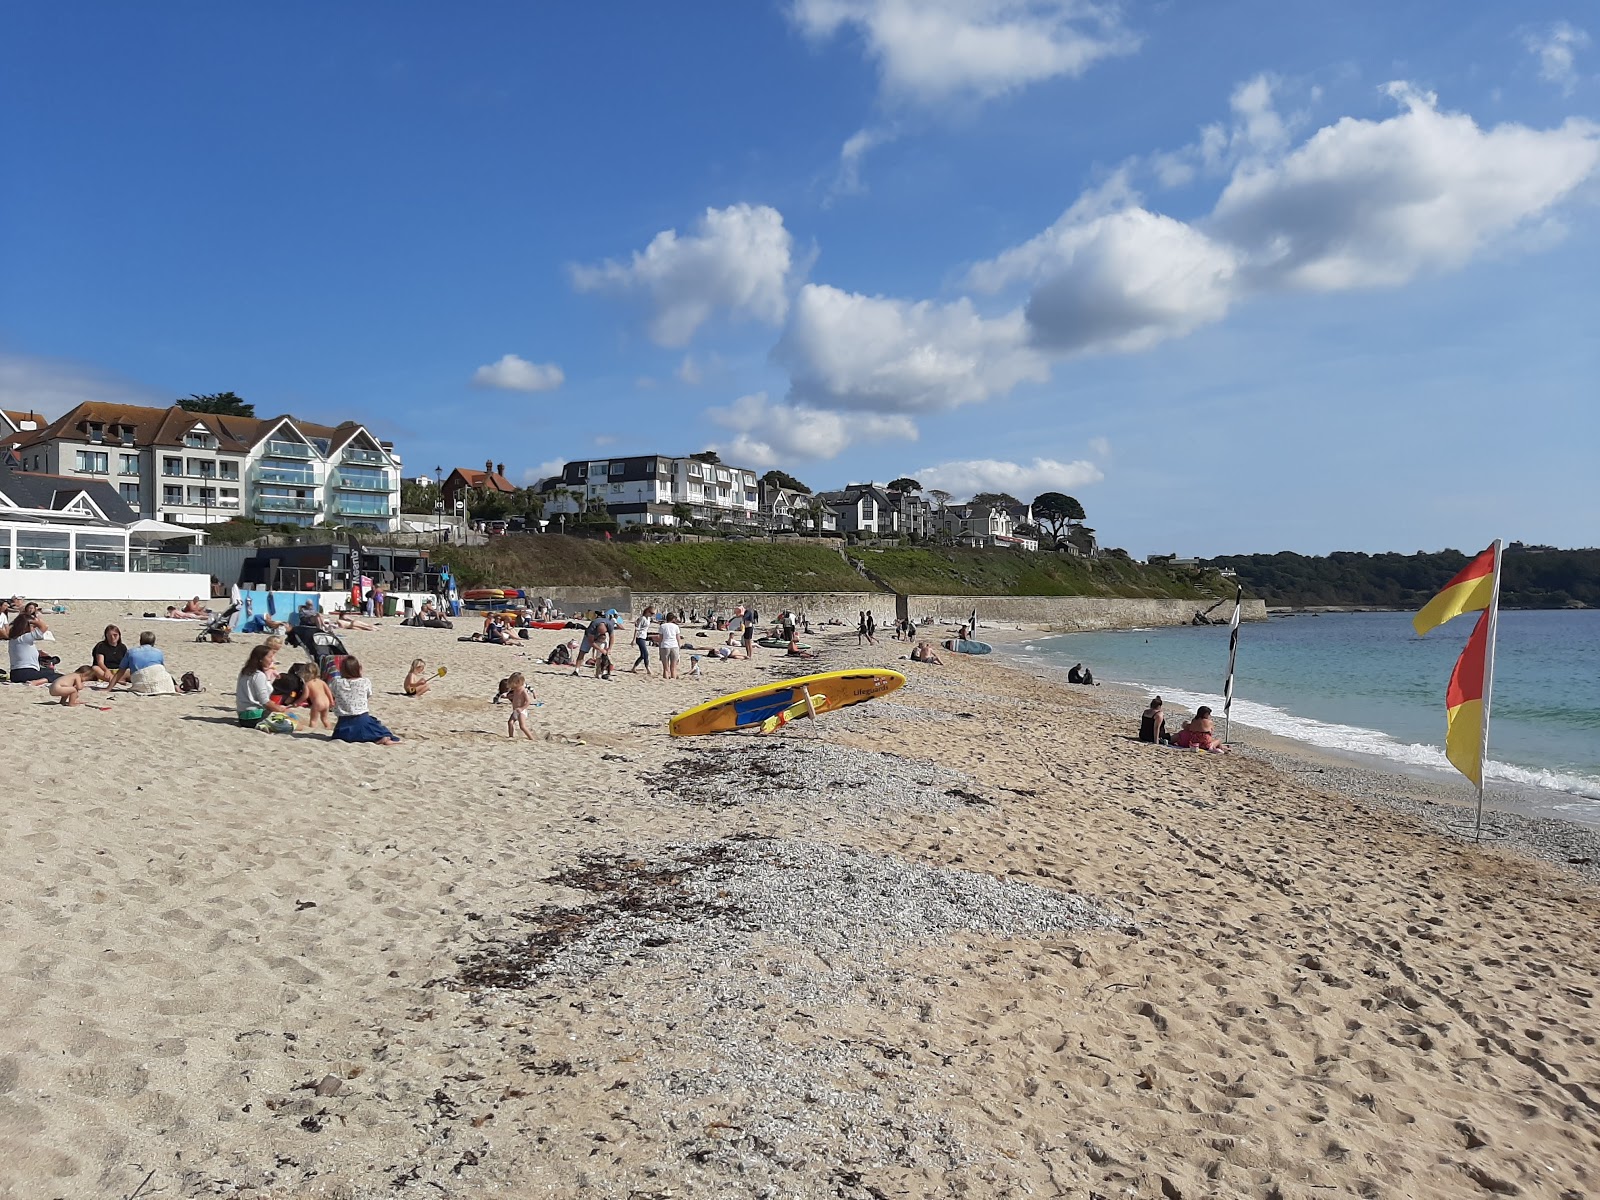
point(1421, 792)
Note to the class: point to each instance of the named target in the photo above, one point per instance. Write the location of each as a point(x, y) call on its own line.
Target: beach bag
point(276, 723)
point(190, 683)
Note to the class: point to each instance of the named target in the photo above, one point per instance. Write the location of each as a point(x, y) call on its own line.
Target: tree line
point(1532, 577)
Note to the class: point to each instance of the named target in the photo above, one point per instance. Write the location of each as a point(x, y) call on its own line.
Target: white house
point(645, 489)
point(190, 468)
point(63, 538)
point(865, 509)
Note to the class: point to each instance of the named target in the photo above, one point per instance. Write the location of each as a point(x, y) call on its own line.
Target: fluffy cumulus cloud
point(1556, 47)
point(737, 260)
point(1022, 480)
point(769, 433)
point(1360, 203)
point(929, 51)
point(513, 373)
point(846, 350)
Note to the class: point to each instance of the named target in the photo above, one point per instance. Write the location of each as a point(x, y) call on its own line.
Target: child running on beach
point(416, 681)
point(318, 695)
point(516, 690)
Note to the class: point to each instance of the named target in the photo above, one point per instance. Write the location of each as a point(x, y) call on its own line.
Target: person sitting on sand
point(319, 696)
point(26, 632)
point(922, 652)
point(144, 669)
point(516, 690)
point(69, 688)
point(1199, 733)
point(352, 692)
point(416, 681)
point(195, 609)
point(694, 666)
point(1153, 724)
point(289, 688)
point(252, 695)
point(1076, 674)
point(561, 656)
point(108, 654)
point(794, 650)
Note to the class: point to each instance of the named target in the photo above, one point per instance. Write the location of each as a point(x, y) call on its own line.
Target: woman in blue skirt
point(351, 695)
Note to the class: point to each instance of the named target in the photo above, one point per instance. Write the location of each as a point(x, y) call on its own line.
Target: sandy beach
point(969, 940)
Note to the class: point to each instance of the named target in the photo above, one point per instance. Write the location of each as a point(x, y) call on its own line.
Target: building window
point(40, 551)
point(616, 489)
point(581, 471)
point(617, 468)
point(172, 466)
point(96, 433)
point(172, 495)
point(93, 462)
point(694, 470)
point(130, 493)
point(127, 464)
point(99, 552)
point(229, 470)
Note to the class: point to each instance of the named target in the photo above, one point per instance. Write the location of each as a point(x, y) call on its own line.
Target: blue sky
point(1241, 276)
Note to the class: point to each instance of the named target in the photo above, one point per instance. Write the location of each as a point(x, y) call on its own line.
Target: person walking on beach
point(641, 639)
point(669, 646)
point(521, 697)
point(861, 626)
point(872, 628)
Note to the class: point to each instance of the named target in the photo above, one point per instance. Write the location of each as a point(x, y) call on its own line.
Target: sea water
point(1366, 684)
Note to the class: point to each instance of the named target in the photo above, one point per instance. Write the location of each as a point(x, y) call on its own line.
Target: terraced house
point(189, 468)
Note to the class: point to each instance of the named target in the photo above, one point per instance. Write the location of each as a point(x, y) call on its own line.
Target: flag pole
point(1233, 653)
point(1488, 686)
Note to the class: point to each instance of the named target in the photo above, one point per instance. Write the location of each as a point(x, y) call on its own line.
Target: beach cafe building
point(63, 538)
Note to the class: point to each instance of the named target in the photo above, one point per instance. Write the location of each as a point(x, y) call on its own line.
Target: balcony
point(351, 481)
point(371, 458)
point(286, 504)
point(290, 450)
point(350, 507)
point(284, 476)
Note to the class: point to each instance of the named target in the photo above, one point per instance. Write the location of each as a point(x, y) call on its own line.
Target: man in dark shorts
point(750, 619)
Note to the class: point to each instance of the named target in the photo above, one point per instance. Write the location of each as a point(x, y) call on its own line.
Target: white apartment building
point(643, 490)
point(197, 468)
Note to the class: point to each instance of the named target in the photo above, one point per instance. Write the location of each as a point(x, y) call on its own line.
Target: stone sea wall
point(1070, 614)
point(1065, 613)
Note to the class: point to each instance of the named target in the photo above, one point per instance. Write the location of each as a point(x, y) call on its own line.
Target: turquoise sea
point(1364, 684)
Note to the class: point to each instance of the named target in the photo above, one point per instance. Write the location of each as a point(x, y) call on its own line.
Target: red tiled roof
point(488, 480)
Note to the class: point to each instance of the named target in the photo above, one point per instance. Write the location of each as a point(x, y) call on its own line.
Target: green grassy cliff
point(556, 561)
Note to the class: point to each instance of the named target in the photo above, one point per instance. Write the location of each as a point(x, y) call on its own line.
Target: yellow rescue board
point(773, 705)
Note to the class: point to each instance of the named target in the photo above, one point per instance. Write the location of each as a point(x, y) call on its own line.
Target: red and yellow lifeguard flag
point(1470, 591)
point(1463, 739)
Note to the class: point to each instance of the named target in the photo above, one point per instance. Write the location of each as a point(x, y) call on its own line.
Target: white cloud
point(533, 476)
point(1360, 203)
point(514, 374)
point(847, 181)
point(1374, 203)
point(932, 50)
point(53, 386)
point(846, 350)
point(1022, 480)
point(1118, 282)
point(770, 433)
point(1556, 47)
point(738, 260)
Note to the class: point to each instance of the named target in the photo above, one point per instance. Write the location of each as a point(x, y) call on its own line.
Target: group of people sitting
point(266, 696)
point(1081, 674)
point(1199, 732)
point(113, 663)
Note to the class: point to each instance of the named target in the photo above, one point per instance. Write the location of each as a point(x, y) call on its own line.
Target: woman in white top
point(27, 631)
point(641, 639)
point(352, 692)
point(669, 646)
point(252, 695)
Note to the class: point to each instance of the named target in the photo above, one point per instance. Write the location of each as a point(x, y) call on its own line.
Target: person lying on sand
point(174, 613)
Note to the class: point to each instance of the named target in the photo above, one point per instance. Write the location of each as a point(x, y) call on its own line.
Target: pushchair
point(219, 628)
point(326, 649)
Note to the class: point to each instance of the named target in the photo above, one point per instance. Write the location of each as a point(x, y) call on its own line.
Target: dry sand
point(969, 940)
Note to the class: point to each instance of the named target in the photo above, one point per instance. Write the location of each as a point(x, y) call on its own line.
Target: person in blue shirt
point(137, 664)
